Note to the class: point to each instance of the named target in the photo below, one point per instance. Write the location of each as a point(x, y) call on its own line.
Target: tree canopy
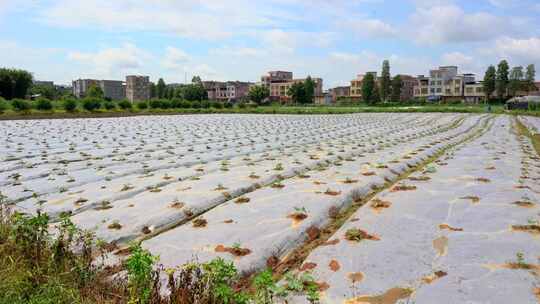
point(368, 89)
point(490, 81)
point(258, 93)
point(502, 79)
point(14, 83)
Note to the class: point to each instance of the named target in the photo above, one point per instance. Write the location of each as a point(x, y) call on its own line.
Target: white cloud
point(450, 24)
point(456, 58)
point(112, 61)
point(371, 28)
point(520, 51)
point(174, 58)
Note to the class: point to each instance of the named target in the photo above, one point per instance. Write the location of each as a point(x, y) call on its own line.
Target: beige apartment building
point(137, 88)
point(445, 84)
point(227, 91)
point(279, 83)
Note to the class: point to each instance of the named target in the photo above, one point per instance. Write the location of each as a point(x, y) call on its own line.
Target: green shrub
point(109, 105)
point(91, 104)
point(69, 104)
point(43, 104)
point(125, 104)
point(140, 274)
point(20, 105)
point(196, 105)
point(165, 104)
point(205, 104)
point(3, 105)
point(216, 105)
point(241, 105)
point(185, 104)
point(142, 105)
point(228, 105)
point(155, 103)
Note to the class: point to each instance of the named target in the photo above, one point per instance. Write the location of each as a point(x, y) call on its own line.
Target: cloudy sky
point(62, 40)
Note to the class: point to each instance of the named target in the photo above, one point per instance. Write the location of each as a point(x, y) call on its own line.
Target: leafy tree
point(309, 87)
point(43, 90)
point(490, 82)
point(95, 92)
point(368, 89)
point(160, 88)
point(194, 92)
point(501, 80)
point(258, 93)
point(14, 83)
point(396, 89)
point(385, 81)
point(530, 76)
point(297, 92)
point(153, 90)
point(196, 80)
point(515, 82)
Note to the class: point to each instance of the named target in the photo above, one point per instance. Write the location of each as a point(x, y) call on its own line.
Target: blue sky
point(62, 40)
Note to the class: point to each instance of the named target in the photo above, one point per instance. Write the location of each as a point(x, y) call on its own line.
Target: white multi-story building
point(445, 83)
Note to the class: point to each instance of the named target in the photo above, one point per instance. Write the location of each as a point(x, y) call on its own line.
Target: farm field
point(377, 207)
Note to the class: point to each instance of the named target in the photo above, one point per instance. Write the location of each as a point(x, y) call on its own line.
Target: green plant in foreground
point(140, 274)
point(520, 257)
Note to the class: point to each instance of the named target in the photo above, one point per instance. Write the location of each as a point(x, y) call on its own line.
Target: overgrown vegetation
point(63, 265)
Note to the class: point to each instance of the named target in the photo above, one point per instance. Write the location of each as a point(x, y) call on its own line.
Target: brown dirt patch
point(357, 235)
point(403, 188)
point(524, 204)
point(177, 205)
point(334, 265)
point(391, 296)
point(483, 180)
point(474, 199)
point(308, 266)
point(297, 216)
point(115, 226)
point(199, 222)
point(332, 192)
point(272, 262)
point(370, 173)
point(448, 227)
point(333, 212)
point(236, 251)
point(534, 229)
point(242, 200)
point(146, 230)
point(355, 277)
point(322, 286)
point(331, 243)
point(379, 204)
point(440, 244)
point(313, 233)
point(419, 178)
point(434, 276)
point(228, 221)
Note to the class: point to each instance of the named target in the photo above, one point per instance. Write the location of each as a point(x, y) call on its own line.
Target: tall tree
point(515, 80)
point(385, 81)
point(14, 83)
point(46, 91)
point(95, 91)
point(153, 90)
point(396, 89)
point(530, 76)
point(502, 79)
point(196, 79)
point(160, 88)
point(490, 81)
point(258, 93)
point(309, 87)
point(297, 92)
point(368, 89)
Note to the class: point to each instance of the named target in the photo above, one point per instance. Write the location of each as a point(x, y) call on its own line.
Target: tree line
point(502, 82)
point(385, 89)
